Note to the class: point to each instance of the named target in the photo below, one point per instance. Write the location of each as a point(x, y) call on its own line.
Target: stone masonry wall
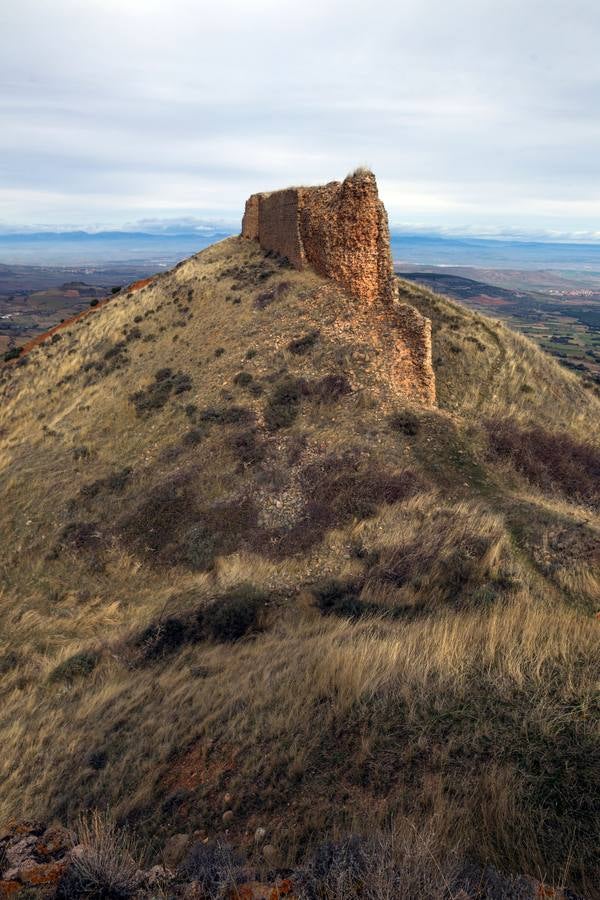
point(341, 231)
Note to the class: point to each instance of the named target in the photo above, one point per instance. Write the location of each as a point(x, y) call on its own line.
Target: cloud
point(471, 113)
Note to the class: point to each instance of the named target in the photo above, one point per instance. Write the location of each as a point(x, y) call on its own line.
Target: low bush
point(13, 353)
point(107, 865)
point(330, 388)
point(265, 298)
point(162, 638)
point(194, 436)
point(302, 344)
point(405, 422)
point(226, 415)
point(8, 662)
point(243, 379)
point(114, 483)
point(248, 447)
point(553, 462)
point(341, 598)
point(232, 617)
point(213, 867)
point(283, 405)
point(76, 666)
point(79, 536)
point(156, 395)
point(199, 548)
point(384, 865)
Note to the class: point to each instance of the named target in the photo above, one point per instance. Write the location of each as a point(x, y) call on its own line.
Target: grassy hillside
point(233, 560)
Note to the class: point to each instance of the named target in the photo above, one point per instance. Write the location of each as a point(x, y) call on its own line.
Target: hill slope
point(235, 557)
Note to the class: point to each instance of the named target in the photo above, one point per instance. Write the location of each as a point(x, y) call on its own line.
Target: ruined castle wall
point(341, 231)
point(278, 217)
point(414, 353)
point(251, 217)
point(345, 236)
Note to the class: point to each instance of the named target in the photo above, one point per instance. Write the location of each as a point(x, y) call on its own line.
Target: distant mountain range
point(518, 254)
point(169, 245)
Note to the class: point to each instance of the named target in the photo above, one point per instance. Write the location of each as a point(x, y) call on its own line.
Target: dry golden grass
point(337, 716)
point(463, 697)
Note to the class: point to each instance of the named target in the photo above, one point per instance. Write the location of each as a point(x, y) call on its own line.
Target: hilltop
point(240, 555)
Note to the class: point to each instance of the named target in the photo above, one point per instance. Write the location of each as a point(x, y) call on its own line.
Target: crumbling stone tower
point(341, 231)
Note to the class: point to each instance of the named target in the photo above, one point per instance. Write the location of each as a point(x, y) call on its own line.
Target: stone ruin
point(340, 230)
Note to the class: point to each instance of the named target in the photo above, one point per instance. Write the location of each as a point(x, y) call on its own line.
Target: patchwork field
point(559, 311)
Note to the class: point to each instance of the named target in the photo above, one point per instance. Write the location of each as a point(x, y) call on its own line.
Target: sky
point(477, 116)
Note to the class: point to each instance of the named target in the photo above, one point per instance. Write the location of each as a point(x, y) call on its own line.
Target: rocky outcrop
point(341, 231)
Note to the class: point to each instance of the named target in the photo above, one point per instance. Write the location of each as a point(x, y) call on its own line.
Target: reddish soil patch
point(193, 769)
point(137, 285)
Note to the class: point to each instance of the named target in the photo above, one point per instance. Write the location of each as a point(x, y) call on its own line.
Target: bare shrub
point(386, 865)
point(213, 867)
point(106, 865)
point(552, 462)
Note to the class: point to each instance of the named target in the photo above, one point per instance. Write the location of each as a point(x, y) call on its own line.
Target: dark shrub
point(283, 405)
point(250, 354)
point(303, 344)
point(133, 335)
point(404, 421)
point(114, 483)
point(156, 521)
point(242, 379)
point(219, 351)
point(553, 462)
point(13, 353)
point(248, 447)
point(79, 535)
point(94, 302)
point(199, 547)
point(226, 415)
point(162, 638)
point(97, 759)
point(340, 488)
point(233, 616)
point(56, 338)
point(117, 481)
point(265, 298)
point(336, 870)
point(75, 667)
point(194, 436)
point(8, 662)
point(213, 866)
point(340, 598)
point(157, 394)
point(330, 388)
point(115, 290)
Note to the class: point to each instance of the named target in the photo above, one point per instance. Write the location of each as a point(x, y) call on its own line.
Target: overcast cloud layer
point(475, 114)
